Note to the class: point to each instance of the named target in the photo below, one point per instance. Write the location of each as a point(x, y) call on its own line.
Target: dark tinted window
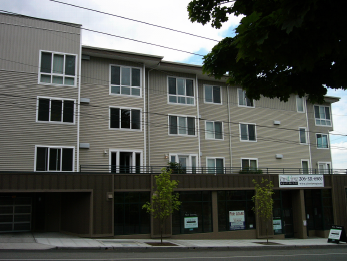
point(43, 110)
point(68, 111)
point(114, 122)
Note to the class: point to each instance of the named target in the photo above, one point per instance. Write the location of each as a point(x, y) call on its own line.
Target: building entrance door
point(287, 209)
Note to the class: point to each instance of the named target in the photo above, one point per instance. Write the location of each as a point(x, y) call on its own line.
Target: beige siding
point(161, 143)
point(95, 117)
point(21, 42)
point(214, 112)
point(318, 155)
point(271, 139)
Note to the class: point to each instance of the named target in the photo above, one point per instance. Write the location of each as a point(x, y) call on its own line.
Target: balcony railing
point(204, 170)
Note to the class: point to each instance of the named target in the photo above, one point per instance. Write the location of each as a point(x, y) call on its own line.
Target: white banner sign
point(300, 181)
point(237, 220)
point(191, 222)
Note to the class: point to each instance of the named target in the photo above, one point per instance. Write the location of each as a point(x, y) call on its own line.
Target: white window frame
point(51, 74)
point(305, 143)
point(220, 92)
point(61, 162)
point(181, 116)
point(249, 159)
point(62, 110)
point(326, 169)
point(215, 170)
point(244, 99)
point(315, 119)
point(214, 130)
point(120, 118)
point(189, 156)
point(328, 143)
point(120, 79)
point(178, 95)
point(118, 151)
point(303, 104)
point(255, 132)
point(308, 166)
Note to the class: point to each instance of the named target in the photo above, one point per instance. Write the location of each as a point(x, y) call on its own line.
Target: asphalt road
point(305, 254)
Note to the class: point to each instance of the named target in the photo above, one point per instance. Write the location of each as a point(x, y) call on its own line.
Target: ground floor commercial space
point(213, 206)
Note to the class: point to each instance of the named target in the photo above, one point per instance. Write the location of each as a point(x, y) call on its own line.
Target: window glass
point(211, 164)
point(125, 118)
point(58, 63)
point(209, 130)
point(322, 141)
point(322, 115)
point(182, 128)
point(125, 76)
point(115, 75)
point(67, 157)
point(54, 159)
point(180, 87)
point(302, 132)
point(300, 104)
point(135, 77)
point(244, 132)
point(216, 94)
point(56, 109)
point(70, 64)
point(243, 99)
point(41, 159)
point(68, 111)
point(172, 86)
point(46, 62)
point(43, 113)
point(135, 119)
point(251, 132)
point(114, 123)
point(189, 87)
point(191, 126)
point(218, 130)
point(208, 93)
point(180, 90)
point(304, 164)
point(173, 124)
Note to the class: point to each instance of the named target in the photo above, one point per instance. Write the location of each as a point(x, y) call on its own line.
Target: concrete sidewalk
point(45, 241)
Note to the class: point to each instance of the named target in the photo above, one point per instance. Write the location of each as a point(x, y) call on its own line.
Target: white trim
point(308, 166)
point(303, 104)
point(255, 131)
point(61, 162)
point(306, 143)
point(49, 111)
point(229, 126)
point(238, 99)
point(120, 79)
point(214, 130)
point(214, 158)
point(124, 129)
point(144, 114)
point(177, 95)
point(256, 159)
point(188, 155)
point(79, 105)
point(314, 116)
point(220, 91)
point(198, 119)
point(328, 143)
point(182, 116)
point(325, 167)
point(125, 150)
point(57, 74)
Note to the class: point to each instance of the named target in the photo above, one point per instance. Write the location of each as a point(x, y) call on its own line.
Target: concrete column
point(298, 204)
point(214, 212)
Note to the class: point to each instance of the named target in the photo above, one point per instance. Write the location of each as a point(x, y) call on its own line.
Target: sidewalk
point(45, 241)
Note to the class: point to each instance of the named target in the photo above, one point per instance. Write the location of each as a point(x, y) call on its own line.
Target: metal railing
point(205, 170)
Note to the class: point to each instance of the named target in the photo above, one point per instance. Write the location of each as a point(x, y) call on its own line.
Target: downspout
point(148, 127)
point(229, 128)
point(198, 114)
point(144, 115)
point(308, 136)
point(79, 105)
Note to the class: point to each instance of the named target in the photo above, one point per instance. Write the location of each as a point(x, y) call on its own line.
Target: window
point(187, 163)
point(324, 167)
point(125, 81)
point(125, 118)
point(322, 115)
point(55, 110)
point(215, 165)
point(57, 68)
point(213, 94)
point(247, 132)
point(214, 130)
point(302, 136)
point(305, 167)
point(249, 164)
point(300, 105)
point(181, 125)
point(322, 141)
point(181, 90)
point(54, 158)
point(243, 100)
point(125, 161)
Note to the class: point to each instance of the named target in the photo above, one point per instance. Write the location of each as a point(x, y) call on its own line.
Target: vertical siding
point(161, 143)
point(21, 42)
point(271, 139)
point(94, 127)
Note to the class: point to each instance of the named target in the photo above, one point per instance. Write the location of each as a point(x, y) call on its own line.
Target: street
point(307, 254)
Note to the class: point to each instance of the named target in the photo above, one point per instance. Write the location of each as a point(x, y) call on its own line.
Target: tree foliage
point(263, 202)
point(164, 201)
point(280, 47)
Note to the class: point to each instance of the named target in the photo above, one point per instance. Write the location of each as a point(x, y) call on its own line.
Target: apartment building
point(84, 129)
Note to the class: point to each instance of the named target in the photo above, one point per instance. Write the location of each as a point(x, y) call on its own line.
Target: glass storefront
point(195, 213)
point(129, 217)
point(235, 210)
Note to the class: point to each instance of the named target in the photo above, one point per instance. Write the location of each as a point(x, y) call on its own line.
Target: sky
point(171, 14)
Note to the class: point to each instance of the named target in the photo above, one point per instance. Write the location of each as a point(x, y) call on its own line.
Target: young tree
point(164, 201)
point(263, 202)
point(280, 47)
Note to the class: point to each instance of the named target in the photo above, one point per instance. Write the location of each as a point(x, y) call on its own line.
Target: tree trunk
point(267, 235)
point(161, 232)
